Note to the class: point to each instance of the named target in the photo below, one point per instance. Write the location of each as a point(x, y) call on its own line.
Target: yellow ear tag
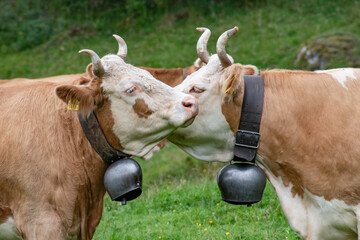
point(227, 90)
point(73, 105)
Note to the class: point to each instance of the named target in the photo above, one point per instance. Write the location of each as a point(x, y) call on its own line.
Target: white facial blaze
point(142, 118)
point(209, 137)
point(340, 74)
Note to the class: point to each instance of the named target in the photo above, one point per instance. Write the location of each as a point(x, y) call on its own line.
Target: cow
point(309, 147)
point(51, 179)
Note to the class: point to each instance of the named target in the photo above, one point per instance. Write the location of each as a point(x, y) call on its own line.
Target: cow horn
point(202, 44)
point(98, 68)
point(220, 46)
point(122, 52)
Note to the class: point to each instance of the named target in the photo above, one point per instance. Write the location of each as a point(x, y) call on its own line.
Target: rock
point(329, 51)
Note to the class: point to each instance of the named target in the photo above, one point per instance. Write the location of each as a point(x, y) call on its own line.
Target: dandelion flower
point(210, 221)
point(204, 170)
point(199, 224)
point(174, 210)
point(160, 237)
point(227, 233)
point(218, 204)
point(205, 230)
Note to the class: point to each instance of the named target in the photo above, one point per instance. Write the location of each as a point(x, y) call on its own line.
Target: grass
point(180, 193)
point(181, 200)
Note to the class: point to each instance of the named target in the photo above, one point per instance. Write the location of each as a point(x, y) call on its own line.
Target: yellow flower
point(174, 210)
point(199, 224)
point(218, 204)
point(227, 233)
point(210, 221)
point(160, 237)
point(205, 230)
point(204, 170)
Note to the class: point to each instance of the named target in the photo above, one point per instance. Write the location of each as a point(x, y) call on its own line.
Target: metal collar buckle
point(247, 139)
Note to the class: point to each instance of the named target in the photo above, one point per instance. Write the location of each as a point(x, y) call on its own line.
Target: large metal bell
point(123, 180)
point(241, 183)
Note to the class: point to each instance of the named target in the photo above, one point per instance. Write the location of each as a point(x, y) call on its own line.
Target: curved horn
point(220, 46)
point(98, 68)
point(122, 52)
point(202, 44)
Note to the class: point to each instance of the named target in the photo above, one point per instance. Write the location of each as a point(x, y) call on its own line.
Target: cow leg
point(45, 226)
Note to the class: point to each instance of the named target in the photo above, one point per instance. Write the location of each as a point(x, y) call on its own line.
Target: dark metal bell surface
point(123, 180)
point(241, 183)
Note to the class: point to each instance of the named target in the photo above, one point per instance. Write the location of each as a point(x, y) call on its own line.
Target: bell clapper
point(123, 201)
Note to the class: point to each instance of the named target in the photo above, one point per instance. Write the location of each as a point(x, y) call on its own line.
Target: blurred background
point(180, 199)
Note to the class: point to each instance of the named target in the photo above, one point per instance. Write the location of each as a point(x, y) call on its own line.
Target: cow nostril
point(191, 105)
point(187, 104)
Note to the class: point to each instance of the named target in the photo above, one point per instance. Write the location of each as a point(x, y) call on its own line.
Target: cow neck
point(248, 133)
point(97, 139)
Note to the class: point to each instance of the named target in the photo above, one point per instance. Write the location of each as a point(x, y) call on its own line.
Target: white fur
point(8, 230)
point(214, 149)
point(340, 74)
point(312, 216)
point(138, 135)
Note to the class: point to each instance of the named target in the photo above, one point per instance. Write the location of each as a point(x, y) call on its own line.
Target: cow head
point(218, 86)
point(135, 110)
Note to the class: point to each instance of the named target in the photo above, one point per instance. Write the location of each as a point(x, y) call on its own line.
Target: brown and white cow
point(51, 179)
point(309, 144)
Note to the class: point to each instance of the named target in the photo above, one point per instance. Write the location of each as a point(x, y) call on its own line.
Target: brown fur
point(5, 212)
point(304, 113)
point(106, 122)
point(171, 77)
point(309, 131)
point(234, 87)
point(66, 194)
point(141, 108)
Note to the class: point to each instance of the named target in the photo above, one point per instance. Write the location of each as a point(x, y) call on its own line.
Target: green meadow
point(180, 198)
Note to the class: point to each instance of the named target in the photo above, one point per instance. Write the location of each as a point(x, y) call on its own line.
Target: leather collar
point(247, 135)
point(97, 139)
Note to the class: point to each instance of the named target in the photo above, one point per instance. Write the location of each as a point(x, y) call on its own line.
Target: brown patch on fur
point(234, 87)
point(162, 143)
point(5, 213)
point(89, 71)
point(141, 108)
point(106, 121)
point(251, 70)
point(307, 134)
point(171, 77)
point(88, 96)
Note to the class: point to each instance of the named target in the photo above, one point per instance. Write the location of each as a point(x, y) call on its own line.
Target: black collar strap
point(247, 136)
point(97, 139)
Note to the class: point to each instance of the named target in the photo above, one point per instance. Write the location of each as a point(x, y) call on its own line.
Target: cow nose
point(191, 104)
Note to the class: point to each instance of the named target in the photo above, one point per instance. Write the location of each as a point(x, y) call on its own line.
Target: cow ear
point(89, 71)
point(232, 77)
point(251, 70)
point(81, 98)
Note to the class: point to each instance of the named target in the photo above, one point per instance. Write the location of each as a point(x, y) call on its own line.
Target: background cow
point(309, 146)
point(51, 179)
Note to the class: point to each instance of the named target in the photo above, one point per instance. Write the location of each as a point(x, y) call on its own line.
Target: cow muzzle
point(241, 183)
point(123, 180)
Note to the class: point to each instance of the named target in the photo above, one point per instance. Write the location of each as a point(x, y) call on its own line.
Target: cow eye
point(196, 89)
point(131, 89)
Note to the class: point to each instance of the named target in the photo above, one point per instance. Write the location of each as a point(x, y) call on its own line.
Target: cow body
point(51, 179)
point(309, 146)
point(49, 175)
